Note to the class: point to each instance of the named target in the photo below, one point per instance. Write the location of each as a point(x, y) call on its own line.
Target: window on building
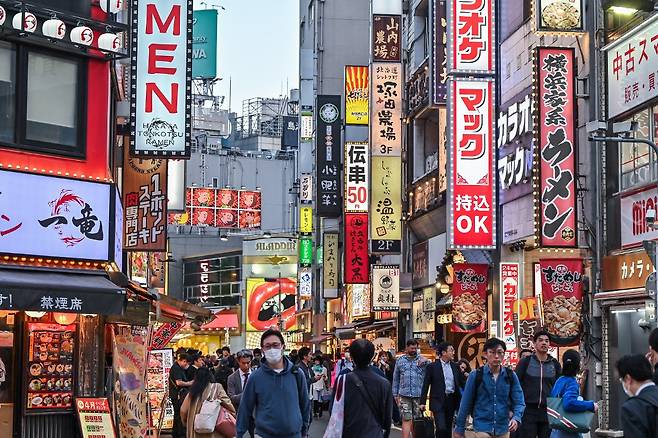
point(42, 100)
point(638, 166)
point(80, 7)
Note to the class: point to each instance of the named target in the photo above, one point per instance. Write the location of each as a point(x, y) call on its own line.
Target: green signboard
point(306, 251)
point(204, 44)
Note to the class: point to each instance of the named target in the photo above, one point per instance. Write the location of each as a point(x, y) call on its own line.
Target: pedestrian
point(652, 355)
point(492, 396)
point(525, 352)
point(446, 381)
point(258, 356)
point(305, 366)
point(203, 389)
point(387, 365)
point(537, 374)
point(228, 359)
point(568, 388)
point(197, 362)
point(408, 378)
point(464, 368)
point(178, 388)
point(639, 413)
point(344, 362)
point(238, 380)
point(276, 394)
point(294, 356)
point(319, 386)
point(368, 396)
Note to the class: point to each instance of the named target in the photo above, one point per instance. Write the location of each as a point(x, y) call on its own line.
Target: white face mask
point(273, 355)
point(628, 392)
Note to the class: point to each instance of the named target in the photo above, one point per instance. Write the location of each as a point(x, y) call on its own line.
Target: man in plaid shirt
point(408, 385)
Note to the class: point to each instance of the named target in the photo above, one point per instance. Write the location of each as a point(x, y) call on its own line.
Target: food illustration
point(562, 317)
point(35, 369)
point(561, 14)
point(468, 310)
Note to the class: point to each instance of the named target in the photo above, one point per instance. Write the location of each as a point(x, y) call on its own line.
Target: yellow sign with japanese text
point(356, 94)
point(306, 220)
point(386, 205)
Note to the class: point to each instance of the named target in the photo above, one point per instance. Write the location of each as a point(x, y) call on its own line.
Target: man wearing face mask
point(276, 394)
point(639, 413)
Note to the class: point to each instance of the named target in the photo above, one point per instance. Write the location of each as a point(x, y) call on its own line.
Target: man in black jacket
point(537, 375)
point(447, 382)
point(639, 413)
point(652, 355)
point(368, 397)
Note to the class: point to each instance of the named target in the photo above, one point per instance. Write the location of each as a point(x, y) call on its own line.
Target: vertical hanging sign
point(509, 294)
point(330, 266)
point(356, 249)
point(356, 94)
point(439, 61)
point(385, 288)
point(356, 177)
point(386, 38)
point(472, 37)
point(327, 151)
point(555, 202)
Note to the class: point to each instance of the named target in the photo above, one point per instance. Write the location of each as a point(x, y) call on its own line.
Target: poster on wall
point(357, 262)
point(385, 288)
point(357, 171)
point(223, 208)
point(386, 205)
point(269, 302)
point(386, 38)
point(157, 388)
point(161, 125)
point(330, 254)
point(558, 16)
point(509, 287)
point(562, 299)
point(469, 297)
point(357, 90)
point(328, 162)
point(556, 103)
point(471, 158)
point(471, 48)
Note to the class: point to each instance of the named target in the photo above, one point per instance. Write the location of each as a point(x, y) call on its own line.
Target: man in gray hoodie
point(276, 394)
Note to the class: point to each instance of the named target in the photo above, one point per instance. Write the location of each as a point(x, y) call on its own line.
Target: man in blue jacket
point(493, 396)
point(276, 394)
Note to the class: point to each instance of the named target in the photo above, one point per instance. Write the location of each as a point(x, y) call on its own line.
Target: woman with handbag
point(207, 411)
point(567, 388)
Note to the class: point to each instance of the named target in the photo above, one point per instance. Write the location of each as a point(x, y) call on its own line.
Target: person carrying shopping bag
point(566, 387)
point(204, 390)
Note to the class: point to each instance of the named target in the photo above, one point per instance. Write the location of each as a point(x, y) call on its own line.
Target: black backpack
point(479, 376)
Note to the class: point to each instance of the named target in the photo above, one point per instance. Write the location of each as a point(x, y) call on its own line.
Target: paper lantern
point(54, 28)
point(35, 314)
point(3, 15)
point(64, 318)
point(82, 35)
point(110, 42)
point(115, 5)
point(29, 23)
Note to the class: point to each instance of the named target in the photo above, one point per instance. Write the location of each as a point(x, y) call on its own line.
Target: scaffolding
point(261, 117)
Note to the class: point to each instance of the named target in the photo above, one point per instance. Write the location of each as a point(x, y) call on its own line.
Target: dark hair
point(653, 339)
point(257, 351)
point(195, 357)
point(226, 349)
point(362, 351)
point(303, 352)
point(185, 356)
point(389, 356)
point(540, 333)
point(493, 343)
point(467, 363)
point(201, 380)
point(411, 342)
point(318, 357)
point(245, 353)
point(443, 347)
point(271, 332)
point(570, 363)
point(525, 350)
point(637, 366)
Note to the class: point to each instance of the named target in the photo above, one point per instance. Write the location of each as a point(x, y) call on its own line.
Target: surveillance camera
point(651, 217)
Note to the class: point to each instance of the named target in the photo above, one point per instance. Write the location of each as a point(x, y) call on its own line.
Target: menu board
point(50, 366)
point(95, 418)
point(157, 384)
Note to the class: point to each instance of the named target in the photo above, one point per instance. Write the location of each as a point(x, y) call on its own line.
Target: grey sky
point(257, 46)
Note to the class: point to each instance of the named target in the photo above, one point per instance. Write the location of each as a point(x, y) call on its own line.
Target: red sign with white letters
point(357, 262)
point(557, 145)
point(471, 192)
point(472, 35)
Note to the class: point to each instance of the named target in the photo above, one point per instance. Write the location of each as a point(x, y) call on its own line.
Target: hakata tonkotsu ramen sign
point(162, 73)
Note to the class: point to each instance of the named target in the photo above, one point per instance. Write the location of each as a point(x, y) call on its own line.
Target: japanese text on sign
point(145, 212)
point(356, 177)
point(515, 121)
point(440, 56)
point(509, 286)
point(357, 87)
point(330, 265)
point(385, 288)
point(557, 142)
point(386, 123)
point(386, 38)
point(386, 208)
point(328, 146)
point(356, 248)
point(472, 33)
point(306, 188)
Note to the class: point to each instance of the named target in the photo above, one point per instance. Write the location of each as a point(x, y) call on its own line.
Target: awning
point(320, 339)
point(222, 321)
point(60, 291)
point(379, 326)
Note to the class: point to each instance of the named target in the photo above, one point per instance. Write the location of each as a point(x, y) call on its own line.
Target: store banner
point(386, 38)
point(95, 418)
point(357, 263)
point(328, 161)
point(270, 301)
point(558, 16)
point(306, 123)
point(633, 217)
point(305, 282)
point(562, 299)
point(439, 53)
point(386, 205)
point(443, 149)
point(305, 251)
point(290, 135)
point(204, 44)
point(306, 188)
point(129, 361)
point(556, 130)
point(469, 297)
point(420, 264)
point(471, 157)
point(632, 63)
point(385, 288)
point(360, 294)
point(357, 171)
point(161, 50)
point(626, 271)
point(386, 123)
point(509, 294)
point(145, 203)
point(330, 272)
point(164, 334)
point(357, 90)
point(306, 220)
point(472, 46)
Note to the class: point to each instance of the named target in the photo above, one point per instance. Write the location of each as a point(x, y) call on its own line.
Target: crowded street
point(328, 218)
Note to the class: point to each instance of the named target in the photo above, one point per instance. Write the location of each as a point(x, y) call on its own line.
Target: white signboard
point(634, 226)
point(176, 185)
point(360, 300)
point(632, 69)
point(54, 217)
point(306, 124)
point(385, 288)
point(306, 188)
point(161, 92)
point(305, 282)
point(356, 177)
